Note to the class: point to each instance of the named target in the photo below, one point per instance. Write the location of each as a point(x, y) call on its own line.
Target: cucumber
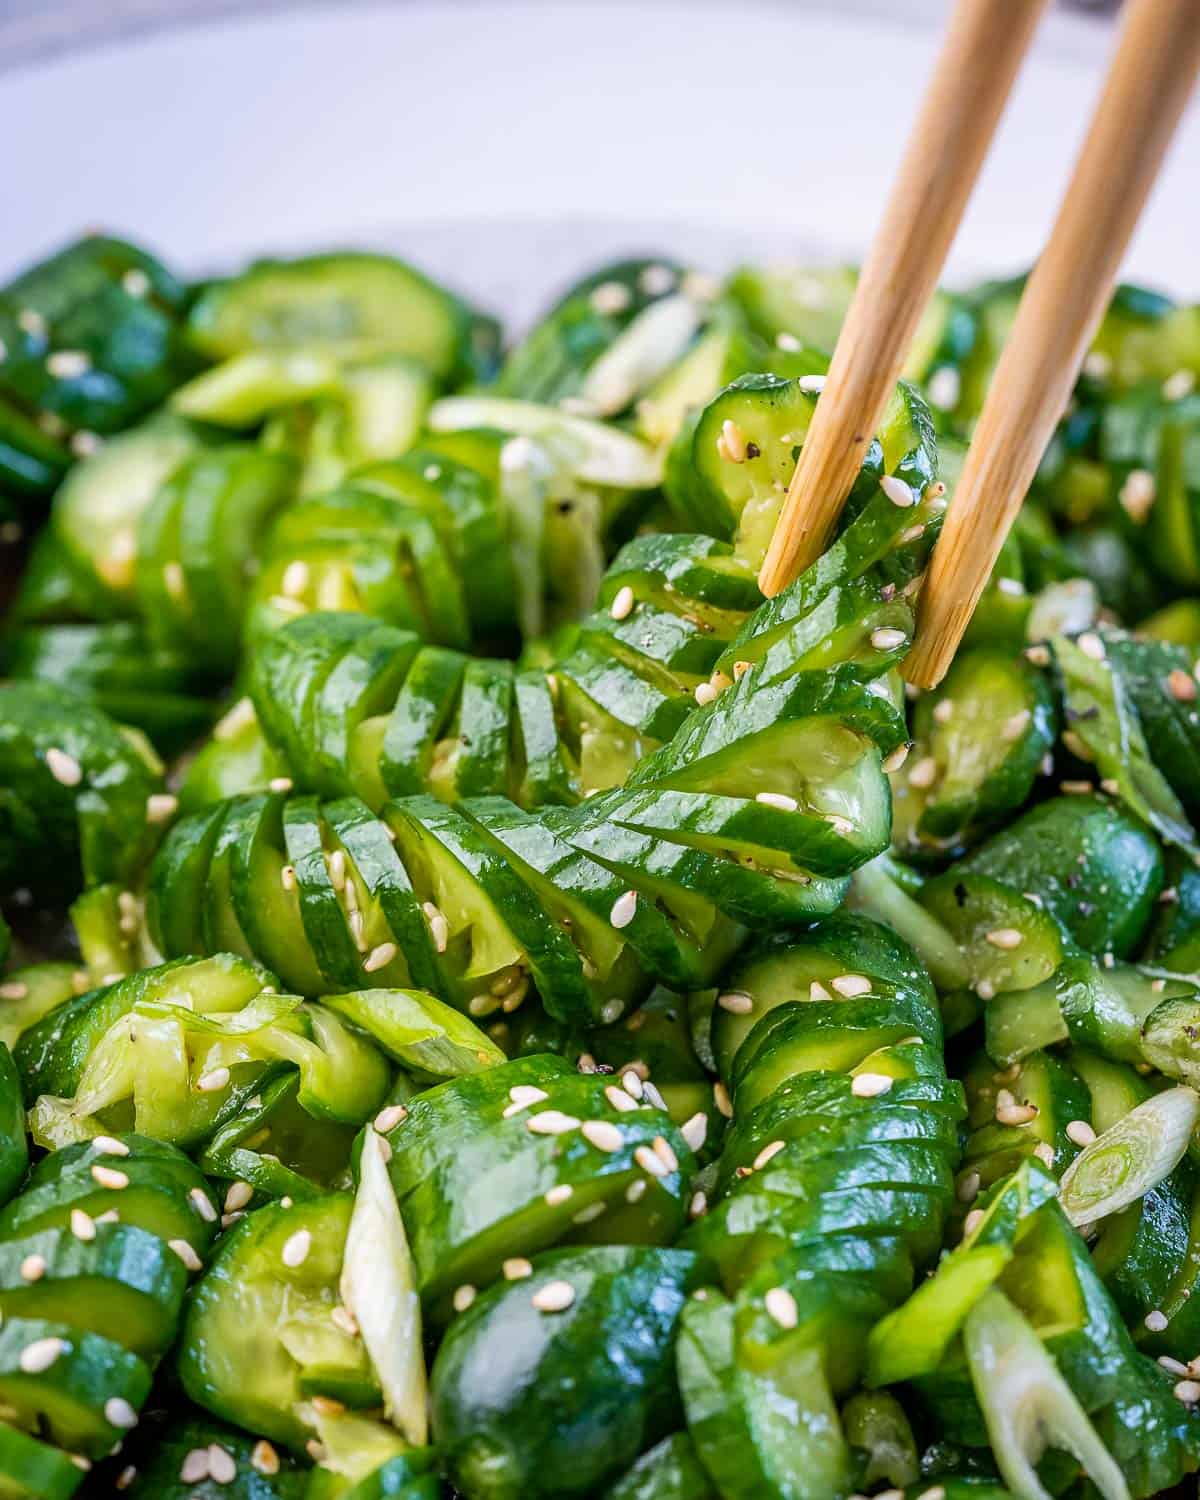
point(32, 1468)
point(157, 1461)
point(14, 1144)
point(671, 1470)
point(350, 304)
point(515, 1388)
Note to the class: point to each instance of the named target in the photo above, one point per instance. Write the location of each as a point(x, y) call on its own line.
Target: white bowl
point(505, 145)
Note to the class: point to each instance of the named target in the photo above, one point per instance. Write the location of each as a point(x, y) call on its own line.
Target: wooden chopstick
point(961, 108)
point(1148, 85)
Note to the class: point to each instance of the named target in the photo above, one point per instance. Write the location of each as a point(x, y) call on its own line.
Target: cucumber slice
point(14, 1146)
point(29, 1468)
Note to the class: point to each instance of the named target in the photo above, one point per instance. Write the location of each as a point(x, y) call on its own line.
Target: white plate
point(506, 145)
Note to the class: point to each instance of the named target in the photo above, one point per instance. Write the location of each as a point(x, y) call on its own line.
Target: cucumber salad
point(490, 1006)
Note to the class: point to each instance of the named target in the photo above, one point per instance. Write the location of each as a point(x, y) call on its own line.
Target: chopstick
point(963, 102)
point(1147, 88)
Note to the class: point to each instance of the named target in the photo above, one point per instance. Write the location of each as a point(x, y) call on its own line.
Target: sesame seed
point(632, 1081)
point(1013, 587)
point(65, 769)
point(238, 1197)
point(1172, 1366)
point(389, 1117)
point(695, 1130)
point(944, 711)
point(897, 491)
point(212, 1082)
point(195, 1466)
point(622, 605)
point(650, 1161)
point(279, 784)
point(781, 1307)
point(1038, 656)
point(868, 1085)
point(109, 1177)
point(1091, 645)
point(341, 1317)
point(610, 297)
point(555, 1296)
point(624, 909)
point(337, 870)
point(203, 1205)
point(817, 991)
point(41, 1354)
point(944, 387)
point(67, 364)
point(1005, 937)
point(811, 385)
point(618, 1098)
point(734, 440)
point(287, 877)
point(1188, 1391)
point(33, 1268)
point(222, 1468)
point(160, 806)
point(972, 1222)
point(589, 1214)
point(295, 579)
point(602, 1134)
point(704, 694)
point(788, 342)
point(119, 1413)
point(652, 1096)
point(665, 1153)
point(1010, 1112)
point(125, 1478)
point(1156, 1321)
point(722, 1101)
point(768, 1152)
point(1044, 1152)
point(736, 1003)
point(379, 957)
point(887, 639)
point(551, 1122)
point(1182, 685)
point(558, 1195)
point(1137, 495)
point(967, 1189)
point(13, 990)
point(296, 1248)
point(740, 668)
point(108, 1145)
point(1179, 385)
point(636, 1190)
point(463, 1297)
point(1075, 788)
point(924, 773)
point(850, 986)
point(186, 1254)
point(83, 1227)
point(896, 759)
point(1080, 1132)
point(779, 800)
point(438, 926)
point(264, 1458)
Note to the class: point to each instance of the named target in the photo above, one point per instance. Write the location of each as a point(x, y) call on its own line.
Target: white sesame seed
point(734, 440)
point(695, 1130)
point(788, 342)
point(379, 957)
point(1137, 495)
point(610, 297)
point(551, 1122)
point(195, 1466)
point(618, 1098)
point(125, 1478)
point(632, 1082)
point(1038, 656)
point(897, 491)
point(1172, 1366)
point(781, 1307)
point(779, 800)
point(1156, 1321)
point(1091, 645)
point(109, 1177)
point(650, 1161)
point(1044, 1152)
point(602, 1134)
point(665, 1153)
point(523, 1095)
point(624, 909)
point(14, 989)
point(622, 605)
point(119, 1413)
point(287, 877)
point(337, 871)
point(768, 1152)
point(203, 1205)
point(186, 1254)
point(972, 1222)
point(722, 1101)
point(1014, 727)
point(1010, 1112)
point(736, 1003)
point(389, 1117)
point(264, 1458)
point(1075, 788)
point(33, 1268)
point(868, 1085)
point(1006, 938)
point(1179, 385)
point(811, 385)
point(238, 1197)
point(924, 773)
point(213, 1082)
point(41, 1354)
point(83, 1226)
point(63, 767)
point(636, 1190)
point(1188, 1391)
point(279, 784)
point(944, 711)
point(944, 387)
point(296, 1248)
point(463, 1297)
point(817, 991)
point(886, 638)
point(555, 1296)
point(1080, 1132)
point(850, 986)
point(896, 759)
point(108, 1145)
point(517, 1268)
point(341, 1317)
point(67, 364)
point(704, 694)
point(439, 927)
point(590, 1214)
point(222, 1468)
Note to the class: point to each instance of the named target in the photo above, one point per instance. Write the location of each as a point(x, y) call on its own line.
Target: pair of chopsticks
point(1146, 91)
